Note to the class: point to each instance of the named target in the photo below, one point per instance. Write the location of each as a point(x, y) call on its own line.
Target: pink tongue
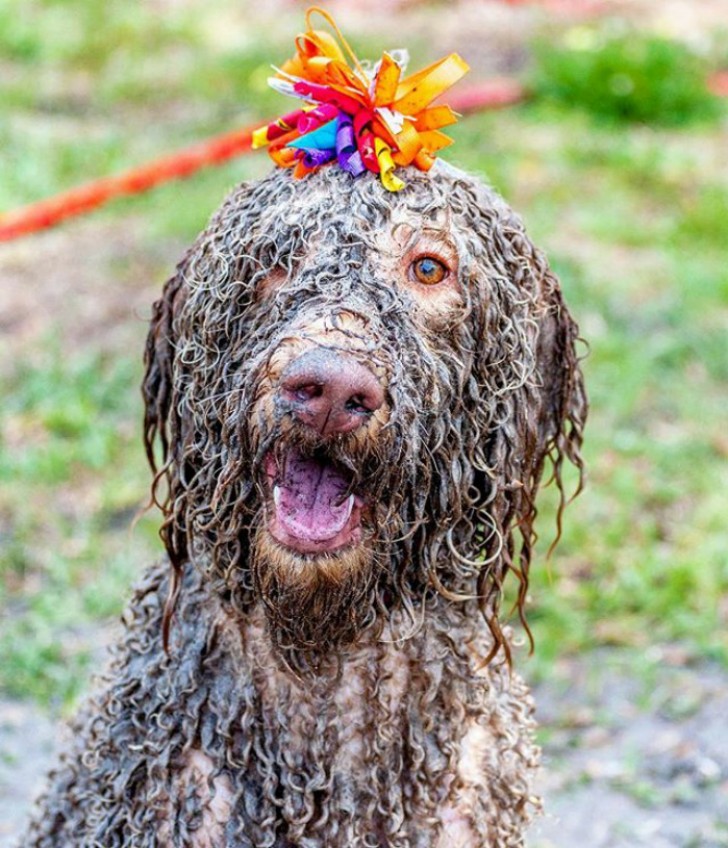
point(311, 501)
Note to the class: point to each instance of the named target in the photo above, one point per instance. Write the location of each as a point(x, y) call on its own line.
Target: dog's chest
point(368, 704)
point(399, 742)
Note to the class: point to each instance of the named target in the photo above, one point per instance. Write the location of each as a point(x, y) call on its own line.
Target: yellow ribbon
point(386, 166)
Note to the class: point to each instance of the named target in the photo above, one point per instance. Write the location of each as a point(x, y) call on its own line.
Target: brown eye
point(428, 270)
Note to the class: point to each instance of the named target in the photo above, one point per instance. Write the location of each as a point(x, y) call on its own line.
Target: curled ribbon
point(373, 121)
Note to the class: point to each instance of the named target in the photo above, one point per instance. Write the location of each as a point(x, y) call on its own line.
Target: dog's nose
point(330, 392)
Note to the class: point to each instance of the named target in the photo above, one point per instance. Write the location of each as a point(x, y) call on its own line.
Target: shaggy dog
point(351, 396)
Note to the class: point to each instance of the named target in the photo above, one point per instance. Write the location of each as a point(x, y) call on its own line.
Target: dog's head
point(356, 393)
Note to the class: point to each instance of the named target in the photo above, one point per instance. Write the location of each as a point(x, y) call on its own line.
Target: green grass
point(633, 216)
point(72, 479)
point(623, 75)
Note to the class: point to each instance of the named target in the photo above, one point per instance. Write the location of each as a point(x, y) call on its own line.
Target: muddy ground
point(635, 754)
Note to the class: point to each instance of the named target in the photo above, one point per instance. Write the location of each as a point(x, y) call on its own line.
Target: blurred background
point(617, 158)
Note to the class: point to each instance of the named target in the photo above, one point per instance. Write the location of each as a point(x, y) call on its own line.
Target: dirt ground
point(634, 759)
point(630, 759)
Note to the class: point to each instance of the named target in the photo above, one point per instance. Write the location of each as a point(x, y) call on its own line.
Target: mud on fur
point(352, 397)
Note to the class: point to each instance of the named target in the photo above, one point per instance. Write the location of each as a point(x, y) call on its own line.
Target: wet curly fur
point(362, 697)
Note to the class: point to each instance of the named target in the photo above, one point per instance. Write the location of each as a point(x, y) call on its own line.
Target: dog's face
point(356, 392)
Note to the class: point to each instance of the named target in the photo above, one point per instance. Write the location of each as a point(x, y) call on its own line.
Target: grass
point(66, 510)
point(633, 217)
point(624, 75)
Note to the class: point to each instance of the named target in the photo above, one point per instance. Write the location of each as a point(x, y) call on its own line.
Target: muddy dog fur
point(351, 398)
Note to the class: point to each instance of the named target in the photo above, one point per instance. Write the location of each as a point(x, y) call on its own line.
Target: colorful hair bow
point(364, 120)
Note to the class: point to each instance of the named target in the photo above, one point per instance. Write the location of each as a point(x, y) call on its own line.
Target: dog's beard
point(314, 604)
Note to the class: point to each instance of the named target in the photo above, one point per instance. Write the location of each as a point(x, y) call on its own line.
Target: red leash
point(47, 213)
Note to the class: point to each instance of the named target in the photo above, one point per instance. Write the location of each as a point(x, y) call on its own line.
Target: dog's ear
point(215, 272)
point(530, 390)
point(551, 406)
point(161, 426)
point(158, 375)
point(563, 402)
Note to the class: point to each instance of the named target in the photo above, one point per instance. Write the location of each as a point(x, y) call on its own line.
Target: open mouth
point(312, 508)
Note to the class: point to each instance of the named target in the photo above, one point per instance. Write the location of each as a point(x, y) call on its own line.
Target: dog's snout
point(330, 392)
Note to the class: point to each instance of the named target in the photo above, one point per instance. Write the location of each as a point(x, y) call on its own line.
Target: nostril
point(356, 404)
point(363, 404)
point(305, 393)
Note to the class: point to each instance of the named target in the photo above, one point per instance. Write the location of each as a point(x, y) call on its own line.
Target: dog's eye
point(428, 270)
